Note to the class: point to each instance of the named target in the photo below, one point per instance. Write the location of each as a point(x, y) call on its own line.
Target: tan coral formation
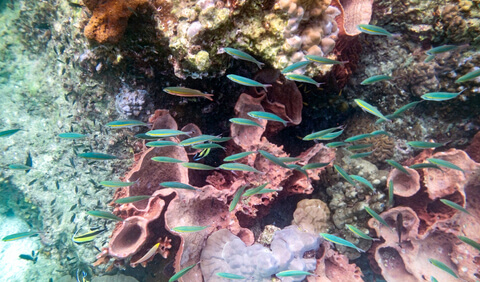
point(312, 215)
point(430, 228)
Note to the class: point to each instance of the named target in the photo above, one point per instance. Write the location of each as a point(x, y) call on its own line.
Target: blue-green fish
point(207, 146)
point(132, 199)
point(405, 108)
point(161, 143)
point(433, 279)
point(71, 135)
point(187, 92)
point(359, 147)
point(454, 205)
point(390, 193)
point(19, 167)
point(97, 156)
point(290, 273)
point(379, 132)
point(345, 175)
point(245, 121)
point(298, 168)
point(197, 140)
point(429, 58)
point(237, 54)
point(340, 241)
point(166, 160)
point(296, 66)
point(125, 123)
point(116, 184)
point(398, 166)
point(358, 137)
point(377, 217)
point(236, 198)
point(336, 144)
point(105, 215)
point(266, 116)
point(177, 185)
point(425, 165)
point(375, 78)
point(424, 145)
point(18, 236)
point(321, 133)
point(236, 157)
point(9, 132)
point(359, 233)
point(468, 76)
point(220, 139)
point(399, 111)
point(181, 273)
point(144, 136)
point(370, 109)
point(247, 81)
point(323, 60)
point(442, 266)
point(238, 167)
point(444, 163)
point(227, 275)
point(469, 242)
point(443, 49)
point(254, 191)
point(163, 133)
point(288, 159)
point(330, 136)
point(185, 229)
point(374, 30)
point(272, 158)
point(440, 96)
point(314, 165)
point(360, 155)
point(302, 78)
point(363, 181)
point(198, 166)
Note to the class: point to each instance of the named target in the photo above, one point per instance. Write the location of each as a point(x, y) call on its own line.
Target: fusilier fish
point(237, 54)
point(247, 81)
point(187, 92)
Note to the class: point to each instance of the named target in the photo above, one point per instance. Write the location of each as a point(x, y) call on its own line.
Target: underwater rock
point(132, 103)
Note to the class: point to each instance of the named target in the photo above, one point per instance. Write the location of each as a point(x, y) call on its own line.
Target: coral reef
point(148, 222)
point(429, 228)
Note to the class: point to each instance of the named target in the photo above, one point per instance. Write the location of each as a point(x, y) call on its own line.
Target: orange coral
point(109, 19)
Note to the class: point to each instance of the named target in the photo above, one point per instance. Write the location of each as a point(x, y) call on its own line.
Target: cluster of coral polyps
point(278, 34)
point(151, 221)
point(429, 228)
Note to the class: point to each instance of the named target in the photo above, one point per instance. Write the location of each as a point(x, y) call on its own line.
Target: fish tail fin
point(265, 86)
point(260, 64)
point(209, 97)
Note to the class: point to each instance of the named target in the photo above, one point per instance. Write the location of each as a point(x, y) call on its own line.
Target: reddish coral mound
point(429, 228)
